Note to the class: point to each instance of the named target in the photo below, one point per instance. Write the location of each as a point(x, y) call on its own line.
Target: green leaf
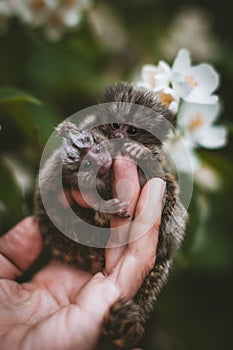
point(10, 193)
point(223, 165)
point(45, 118)
point(21, 115)
point(10, 95)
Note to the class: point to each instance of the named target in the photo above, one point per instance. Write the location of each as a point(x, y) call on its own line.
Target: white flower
point(207, 177)
point(70, 11)
point(193, 86)
point(70, 18)
point(168, 97)
point(5, 13)
point(195, 121)
point(183, 156)
point(5, 9)
point(191, 22)
point(33, 12)
point(55, 16)
point(67, 14)
point(158, 78)
point(181, 153)
point(155, 76)
point(106, 26)
point(194, 83)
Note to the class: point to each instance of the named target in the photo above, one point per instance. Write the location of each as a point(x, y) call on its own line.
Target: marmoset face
point(129, 112)
point(124, 131)
point(85, 157)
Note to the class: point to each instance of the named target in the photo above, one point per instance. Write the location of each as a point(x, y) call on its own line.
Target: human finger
point(140, 255)
point(126, 187)
point(87, 202)
point(19, 248)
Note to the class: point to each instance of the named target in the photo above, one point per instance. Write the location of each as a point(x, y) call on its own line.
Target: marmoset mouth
point(105, 168)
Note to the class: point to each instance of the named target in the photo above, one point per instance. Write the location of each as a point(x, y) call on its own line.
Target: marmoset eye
point(116, 125)
point(132, 131)
point(98, 149)
point(86, 165)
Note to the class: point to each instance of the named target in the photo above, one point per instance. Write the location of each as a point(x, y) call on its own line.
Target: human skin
point(63, 307)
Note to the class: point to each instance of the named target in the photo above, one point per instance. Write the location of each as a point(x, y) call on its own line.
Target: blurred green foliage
point(43, 82)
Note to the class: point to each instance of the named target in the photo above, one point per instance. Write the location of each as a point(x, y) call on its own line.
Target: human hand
point(62, 307)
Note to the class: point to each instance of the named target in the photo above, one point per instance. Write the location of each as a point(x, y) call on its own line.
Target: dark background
point(43, 82)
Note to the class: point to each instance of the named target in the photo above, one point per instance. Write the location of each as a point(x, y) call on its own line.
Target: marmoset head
point(84, 156)
point(130, 112)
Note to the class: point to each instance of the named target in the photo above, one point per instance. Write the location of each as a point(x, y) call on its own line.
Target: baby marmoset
point(82, 161)
point(140, 124)
point(134, 116)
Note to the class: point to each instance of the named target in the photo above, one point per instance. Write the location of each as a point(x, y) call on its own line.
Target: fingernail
point(160, 183)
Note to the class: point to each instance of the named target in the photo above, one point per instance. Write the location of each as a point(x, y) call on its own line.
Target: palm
point(63, 307)
point(42, 303)
point(57, 308)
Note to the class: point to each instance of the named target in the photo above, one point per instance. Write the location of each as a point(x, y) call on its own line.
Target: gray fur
point(125, 322)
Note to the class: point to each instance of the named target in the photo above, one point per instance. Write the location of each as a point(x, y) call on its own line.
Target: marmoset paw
point(112, 206)
point(134, 150)
point(108, 209)
point(122, 213)
point(117, 208)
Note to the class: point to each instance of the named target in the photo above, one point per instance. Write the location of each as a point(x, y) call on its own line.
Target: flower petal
point(182, 155)
point(207, 177)
point(147, 73)
point(163, 67)
point(70, 18)
point(203, 81)
point(194, 84)
point(182, 62)
point(180, 85)
point(195, 98)
point(212, 137)
point(161, 80)
point(173, 107)
point(207, 77)
point(208, 113)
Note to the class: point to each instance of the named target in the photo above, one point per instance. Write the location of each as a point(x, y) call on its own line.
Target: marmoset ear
point(65, 128)
point(74, 136)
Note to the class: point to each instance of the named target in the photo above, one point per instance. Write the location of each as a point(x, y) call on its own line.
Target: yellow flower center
point(192, 83)
point(196, 122)
point(37, 5)
point(68, 2)
point(165, 99)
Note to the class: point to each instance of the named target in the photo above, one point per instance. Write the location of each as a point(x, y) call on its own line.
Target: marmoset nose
point(119, 135)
